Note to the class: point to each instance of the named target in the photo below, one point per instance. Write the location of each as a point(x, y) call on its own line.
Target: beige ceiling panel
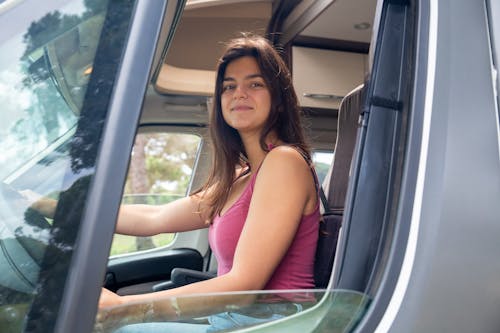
point(176, 80)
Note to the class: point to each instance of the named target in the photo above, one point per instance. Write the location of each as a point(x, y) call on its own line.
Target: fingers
point(30, 196)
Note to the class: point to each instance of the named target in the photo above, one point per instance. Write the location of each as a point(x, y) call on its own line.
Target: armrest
point(182, 276)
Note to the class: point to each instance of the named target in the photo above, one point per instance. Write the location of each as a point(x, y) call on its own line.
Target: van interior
point(326, 45)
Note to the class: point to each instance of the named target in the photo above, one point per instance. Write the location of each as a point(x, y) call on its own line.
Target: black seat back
point(335, 185)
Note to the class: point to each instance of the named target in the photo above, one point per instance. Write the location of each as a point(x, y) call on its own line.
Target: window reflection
point(45, 67)
point(309, 310)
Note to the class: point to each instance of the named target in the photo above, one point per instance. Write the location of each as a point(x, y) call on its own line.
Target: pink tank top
point(296, 270)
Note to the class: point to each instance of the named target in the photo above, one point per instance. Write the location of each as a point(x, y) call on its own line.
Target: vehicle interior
point(327, 47)
point(327, 60)
point(106, 102)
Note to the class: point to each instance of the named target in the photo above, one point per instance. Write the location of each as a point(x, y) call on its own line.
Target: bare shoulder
point(286, 174)
point(286, 155)
point(285, 161)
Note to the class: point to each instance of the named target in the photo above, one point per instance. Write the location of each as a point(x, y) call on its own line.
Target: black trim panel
point(150, 267)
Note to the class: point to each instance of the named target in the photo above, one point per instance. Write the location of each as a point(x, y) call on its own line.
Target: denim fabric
point(231, 320)
point(166, 327)
point(220, 322)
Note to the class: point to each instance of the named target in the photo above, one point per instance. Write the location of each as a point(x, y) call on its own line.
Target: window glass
point(43, 77)
point(160, 171)
point(322, 160)
point(298, 310)
point(49, 136)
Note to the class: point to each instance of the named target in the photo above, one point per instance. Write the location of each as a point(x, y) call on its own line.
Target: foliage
point(127, 244)
point(321, 170)
point(49, 27)
point(169, 159)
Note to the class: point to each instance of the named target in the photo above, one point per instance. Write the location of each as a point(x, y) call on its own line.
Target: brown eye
point(257, 85)
point(228, 87)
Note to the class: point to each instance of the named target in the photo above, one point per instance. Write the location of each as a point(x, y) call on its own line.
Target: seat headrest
point(335, 184)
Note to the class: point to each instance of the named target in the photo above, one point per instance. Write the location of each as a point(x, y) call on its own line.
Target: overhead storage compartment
point(323, 77)
point(189, 67)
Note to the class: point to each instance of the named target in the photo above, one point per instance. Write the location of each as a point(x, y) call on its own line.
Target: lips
point(241, 108)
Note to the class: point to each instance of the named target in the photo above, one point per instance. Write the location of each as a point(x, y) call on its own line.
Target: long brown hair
point(284, 117)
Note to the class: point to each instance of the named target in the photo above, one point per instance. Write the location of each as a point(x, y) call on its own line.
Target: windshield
point(43, 78)
point(47, 53)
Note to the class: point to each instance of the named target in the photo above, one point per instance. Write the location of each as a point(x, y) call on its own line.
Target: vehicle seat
point(335, 185)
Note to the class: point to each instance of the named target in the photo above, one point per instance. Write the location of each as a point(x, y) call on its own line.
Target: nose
point(240, 92)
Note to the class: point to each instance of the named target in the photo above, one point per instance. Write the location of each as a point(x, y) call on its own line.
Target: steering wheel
point(24, 234)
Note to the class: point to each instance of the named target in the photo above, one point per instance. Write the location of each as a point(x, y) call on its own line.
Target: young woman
point(260, 202)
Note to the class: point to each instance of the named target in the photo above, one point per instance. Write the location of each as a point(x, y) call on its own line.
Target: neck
point(253, 149)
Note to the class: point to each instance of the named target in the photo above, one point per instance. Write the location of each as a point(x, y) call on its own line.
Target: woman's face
point(245, 98)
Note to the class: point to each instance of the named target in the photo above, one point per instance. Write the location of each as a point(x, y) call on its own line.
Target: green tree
point(321, 170)
point(160, 171)
point(169, 158)
point(47, 29)
point(139, 183)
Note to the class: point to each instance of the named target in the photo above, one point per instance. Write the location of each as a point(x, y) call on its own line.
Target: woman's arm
point(283, 192)
point(146, 220)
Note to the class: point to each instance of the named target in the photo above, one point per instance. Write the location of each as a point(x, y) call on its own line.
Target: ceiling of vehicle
point(202, 31)
point(349, 20)
point(207, 24)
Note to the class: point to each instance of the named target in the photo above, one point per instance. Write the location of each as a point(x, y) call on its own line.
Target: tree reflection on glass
point(58, 95)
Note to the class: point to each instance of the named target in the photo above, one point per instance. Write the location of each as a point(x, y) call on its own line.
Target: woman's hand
point(109, 298)
point(114, 313)
point(46, 207)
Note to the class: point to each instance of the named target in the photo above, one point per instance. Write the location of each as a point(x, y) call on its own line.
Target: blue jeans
point(218, 322)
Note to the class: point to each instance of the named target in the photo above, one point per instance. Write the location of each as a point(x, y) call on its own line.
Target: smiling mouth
point(241, 108)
